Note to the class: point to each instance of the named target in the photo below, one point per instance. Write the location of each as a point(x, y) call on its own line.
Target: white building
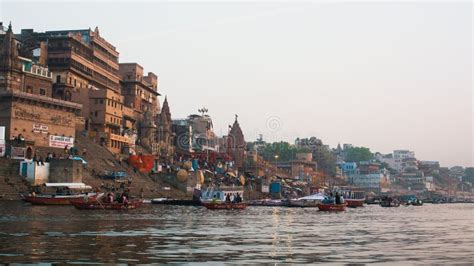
point(398, 160)
point(370, 182)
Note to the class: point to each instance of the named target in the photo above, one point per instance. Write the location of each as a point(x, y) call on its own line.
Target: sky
point(384, 75)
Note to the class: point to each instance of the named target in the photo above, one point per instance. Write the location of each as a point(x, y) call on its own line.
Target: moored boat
point(177, 202)
point(354, 203)
point(388, 202)
point(225, 205)
point(59, 194)
point(223, 198)
point(93, 204)
point(308, 201)
point(332, 207)
point(268, 202)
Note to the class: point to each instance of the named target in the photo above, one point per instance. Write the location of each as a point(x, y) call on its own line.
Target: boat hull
point(177, 202)
point(268, 203)
point(354, 203)
point(58, 200)
point(225, 206)
point(389, 204)
point(95, 205)
point(332, 207)
point(304, 203)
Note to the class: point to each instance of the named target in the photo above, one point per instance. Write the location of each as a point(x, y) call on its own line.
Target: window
point(101, 101)
point(96, 101)
point(42, 92)
point(95, 113)
point(58, 79)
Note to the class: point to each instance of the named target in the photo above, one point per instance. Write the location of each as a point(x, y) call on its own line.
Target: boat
point(354, 203)
point(268, 202)
point(96, 204)
point(389, 202)
point(308, 201)
point(353, 197)
point(331, 207)
point(59, 194)
point(225, 205)
point(223, 198)
point(177, 202)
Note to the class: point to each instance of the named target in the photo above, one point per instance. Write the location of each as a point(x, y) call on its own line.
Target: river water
point(165, 234)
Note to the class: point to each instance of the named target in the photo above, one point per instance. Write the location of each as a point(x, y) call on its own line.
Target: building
point(413, 180)
point(368, 182)
point(29, 113)
point(399, 160)
point(236, 144)
point(164, 132)
point(348, 169)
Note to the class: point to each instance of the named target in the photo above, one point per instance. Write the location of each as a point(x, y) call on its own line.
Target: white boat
point(308, 201)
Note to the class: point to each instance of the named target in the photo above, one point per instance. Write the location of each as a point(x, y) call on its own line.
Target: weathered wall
point(65, 171)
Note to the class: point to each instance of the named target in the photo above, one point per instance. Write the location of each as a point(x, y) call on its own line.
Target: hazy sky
point(382, 75)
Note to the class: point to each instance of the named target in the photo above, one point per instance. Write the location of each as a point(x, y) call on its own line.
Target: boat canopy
point(317, 196)
point(69, 185)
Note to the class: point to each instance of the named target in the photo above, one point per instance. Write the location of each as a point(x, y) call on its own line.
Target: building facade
point(30, 115)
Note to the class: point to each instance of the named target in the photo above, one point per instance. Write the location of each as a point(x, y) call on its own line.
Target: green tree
point(469, 175)
point(358, 154)
point(279, 151)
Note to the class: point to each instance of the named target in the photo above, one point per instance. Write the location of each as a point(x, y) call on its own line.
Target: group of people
point(334, 199)
point(233, 198)
point(122, 198)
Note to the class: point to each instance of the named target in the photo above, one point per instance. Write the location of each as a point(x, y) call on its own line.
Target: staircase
point(11, 183)
point(100, 159)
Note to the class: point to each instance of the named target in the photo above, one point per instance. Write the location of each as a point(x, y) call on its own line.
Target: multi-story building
point(399, 160)
point(28, 112)
point(140, 92)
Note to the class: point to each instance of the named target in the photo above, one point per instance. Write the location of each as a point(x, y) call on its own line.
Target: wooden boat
point(388, 204)
point(225, 205)
point(332, 207)
point(268, 202)
point(177, 202)
point(59, 194)
point(92, 204)
point(354, 203)
point(51, 199)
point(308, 201)
point(223, 198)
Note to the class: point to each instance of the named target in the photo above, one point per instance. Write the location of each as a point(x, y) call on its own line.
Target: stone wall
point(65, 171)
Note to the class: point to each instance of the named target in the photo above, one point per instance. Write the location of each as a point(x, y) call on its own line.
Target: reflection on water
point(160, 234)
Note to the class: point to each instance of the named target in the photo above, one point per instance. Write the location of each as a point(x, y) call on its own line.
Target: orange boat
point(225, 206)
point(354, 203)
point(332, 207)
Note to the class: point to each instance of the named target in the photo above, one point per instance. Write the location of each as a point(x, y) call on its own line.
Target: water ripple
point(163, 234)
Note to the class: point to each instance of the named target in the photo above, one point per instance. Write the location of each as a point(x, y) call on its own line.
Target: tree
point(279, 151)
point(358, 154)
point(469, 175)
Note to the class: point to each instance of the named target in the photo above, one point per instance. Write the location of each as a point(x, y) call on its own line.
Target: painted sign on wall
point(60, 142)
point(39, 128)
point(18, 153)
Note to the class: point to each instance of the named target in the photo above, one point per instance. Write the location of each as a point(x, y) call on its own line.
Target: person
point(338, 198)
point(238, 199)
point(111, 197)
point(227, 198)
